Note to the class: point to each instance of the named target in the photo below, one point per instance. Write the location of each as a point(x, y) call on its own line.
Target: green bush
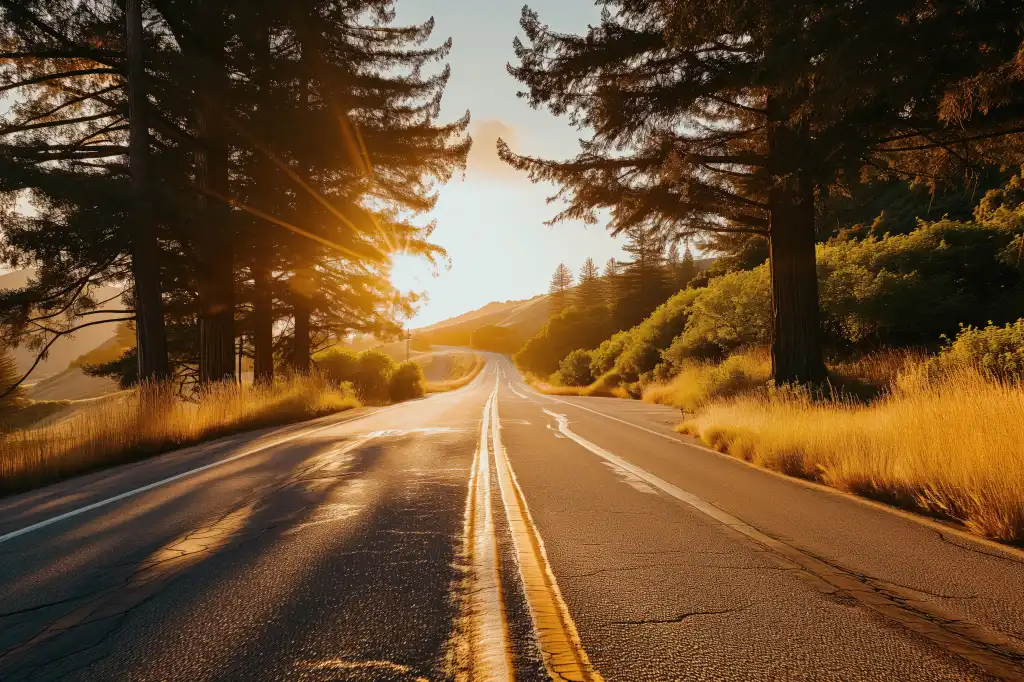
point(406, 382)
point(732, 312)
point(997, 351)
point(373, 376)
point(603, 358)
point(652, 336)
point(338, 364)
point(574, 370)
point(904, 290)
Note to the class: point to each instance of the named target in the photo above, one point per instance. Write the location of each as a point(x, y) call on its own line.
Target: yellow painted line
point(564, 656)
point(489, 653)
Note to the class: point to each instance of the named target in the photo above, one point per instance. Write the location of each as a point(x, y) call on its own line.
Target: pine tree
point(732, 120)
point(687, 270)
point(561, 282)
point(641, 285)
point(252, 184)
point(588, 289)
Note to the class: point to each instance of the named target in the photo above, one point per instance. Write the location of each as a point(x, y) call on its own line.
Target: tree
point(285, 143)
point(150, 334)
point(641, 286)
point(681, 270)
point(561, 282)
point(588, 289)
point(736, 120)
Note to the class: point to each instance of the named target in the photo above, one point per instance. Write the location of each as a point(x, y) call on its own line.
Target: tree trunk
point(263, 297)
point(796, 333)
point(150, 333)
point(262, 323)
point(300, 359)
point(302, 287)
point(215, 243)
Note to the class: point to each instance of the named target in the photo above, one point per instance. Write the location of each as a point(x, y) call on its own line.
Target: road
point(489, 533)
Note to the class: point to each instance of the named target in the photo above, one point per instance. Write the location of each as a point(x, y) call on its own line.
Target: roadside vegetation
point(946, 443)
point(155, 419)
point(139, 423)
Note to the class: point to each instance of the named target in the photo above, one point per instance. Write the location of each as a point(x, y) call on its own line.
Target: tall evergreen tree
point(733, 120)
point(561, 282)
point(312, 160)
point(588, 289)
point(641, 285)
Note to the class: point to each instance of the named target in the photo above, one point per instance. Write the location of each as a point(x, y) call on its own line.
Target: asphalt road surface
point(489, 533)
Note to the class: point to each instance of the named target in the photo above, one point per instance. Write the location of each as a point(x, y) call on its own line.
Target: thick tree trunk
point(796, 330)
point(300, 359)
point(262, 323)
point(150, 333)
point(215, 240)
point(263, 297)
point(302, 282)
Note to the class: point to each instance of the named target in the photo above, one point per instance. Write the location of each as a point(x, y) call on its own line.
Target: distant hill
point(523, 319)
point(67, 349)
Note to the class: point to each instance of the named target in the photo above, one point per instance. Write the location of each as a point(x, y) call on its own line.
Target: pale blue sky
point(491, 222)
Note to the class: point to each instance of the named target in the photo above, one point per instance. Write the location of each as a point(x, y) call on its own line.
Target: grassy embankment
point(464, 368)
point(128, 429)
point(944, 441)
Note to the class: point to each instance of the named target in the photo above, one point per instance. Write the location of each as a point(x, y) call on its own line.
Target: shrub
point(648, 339)
point(373, 375)
point(997, 351)
point(338, 364)
point(603, 358)
point(406, 382)
point(574, 370)
point(911, 289)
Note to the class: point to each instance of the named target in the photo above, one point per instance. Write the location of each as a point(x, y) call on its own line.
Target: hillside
point(521, 318)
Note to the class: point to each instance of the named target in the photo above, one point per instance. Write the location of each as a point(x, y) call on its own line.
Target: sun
point(409, 273)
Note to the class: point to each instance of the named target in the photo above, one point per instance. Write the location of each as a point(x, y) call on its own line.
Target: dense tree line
point(246, 168)
point(743, 119)
point(601, 303)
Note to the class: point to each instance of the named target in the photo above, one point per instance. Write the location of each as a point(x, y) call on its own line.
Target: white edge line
point(1010, 553)
point(131, 493)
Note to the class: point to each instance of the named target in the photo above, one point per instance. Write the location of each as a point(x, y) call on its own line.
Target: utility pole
point(408, 339)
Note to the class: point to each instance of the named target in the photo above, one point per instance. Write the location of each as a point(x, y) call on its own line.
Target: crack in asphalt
point(680, 618)
point(977, 550)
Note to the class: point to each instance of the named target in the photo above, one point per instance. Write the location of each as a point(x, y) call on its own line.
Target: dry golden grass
point(601, 388)
point(701, 383)
point(137, 426)
point(950, 445)
point(457, 382)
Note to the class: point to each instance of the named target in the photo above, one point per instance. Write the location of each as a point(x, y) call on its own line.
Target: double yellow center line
point(490, 653)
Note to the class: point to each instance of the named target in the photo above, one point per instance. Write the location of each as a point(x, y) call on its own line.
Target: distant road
point(489, 533)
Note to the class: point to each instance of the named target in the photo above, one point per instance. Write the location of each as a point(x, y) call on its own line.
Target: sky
point(491, 220)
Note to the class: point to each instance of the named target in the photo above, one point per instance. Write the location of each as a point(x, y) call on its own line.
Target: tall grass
point(950, 445)
point(606, 386)
point(154, 420)
point(699, 383)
